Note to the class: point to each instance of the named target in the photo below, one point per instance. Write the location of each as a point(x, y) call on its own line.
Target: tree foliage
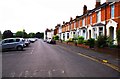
point(31, 35)
point(7, 34)
point(21, 34)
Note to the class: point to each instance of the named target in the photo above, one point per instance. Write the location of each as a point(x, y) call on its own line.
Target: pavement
point(41, 59)
point(104, 57)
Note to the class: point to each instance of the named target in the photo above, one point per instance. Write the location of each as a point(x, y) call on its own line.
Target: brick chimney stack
point(98, 3)
point(84, 9)
point(63, 22)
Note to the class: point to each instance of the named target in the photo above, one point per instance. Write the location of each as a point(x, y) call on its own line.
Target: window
point(74, 33)
point(83, 31)
point(5, 41)
point(17, 40)
point(11, 40)
point(112, 11)
point(67, 35)
point(91, 19)
point(83, 22)
point(100, 30)
point(74, 25)
point(95, 33)
point(98, 16)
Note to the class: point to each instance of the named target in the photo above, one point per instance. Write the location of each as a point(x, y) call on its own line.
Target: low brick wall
point(113, 51)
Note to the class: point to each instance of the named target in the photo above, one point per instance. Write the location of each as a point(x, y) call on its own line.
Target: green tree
point(7, 34)
point(21, 34)
point(31, 35)
point(38, 35)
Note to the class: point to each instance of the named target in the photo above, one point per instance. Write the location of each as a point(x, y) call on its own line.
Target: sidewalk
point(89, 52)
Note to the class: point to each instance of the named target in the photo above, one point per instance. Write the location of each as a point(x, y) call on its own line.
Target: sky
point(37, 15)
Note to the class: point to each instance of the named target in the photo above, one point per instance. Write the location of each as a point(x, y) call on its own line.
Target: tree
point(21, 34)
point(7, 34)
point(31, 35)
point(38, 35)
point(42, 35)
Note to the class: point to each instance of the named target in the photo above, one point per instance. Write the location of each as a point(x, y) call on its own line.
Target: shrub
point(91, 42)
point(80, 40)
point(101, 41)
point(85, 42)
point(118, 37)
point(110, 41)
point(55, 37)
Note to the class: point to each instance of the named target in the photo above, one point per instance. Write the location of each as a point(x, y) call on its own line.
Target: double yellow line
point(102, 61)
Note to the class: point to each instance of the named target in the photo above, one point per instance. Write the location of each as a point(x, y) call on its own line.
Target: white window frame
point(112, 11)
point(83, 22)
point(90, 19)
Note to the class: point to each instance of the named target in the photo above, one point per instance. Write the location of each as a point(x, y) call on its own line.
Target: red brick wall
point(77, 24)
point(93, 17)
point(108, 12)
point(88, 20)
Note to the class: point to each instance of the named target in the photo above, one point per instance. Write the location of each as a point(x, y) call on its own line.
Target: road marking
point(20, 74)
point(31, 52)
point(13, 74)
point(49, 73)
point(53, 70)
point(26, 73)
point(95, 59)
point(105, 62)
point(34, 73)
point(63, 71)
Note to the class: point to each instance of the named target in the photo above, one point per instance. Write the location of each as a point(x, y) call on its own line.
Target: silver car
point(12, 43)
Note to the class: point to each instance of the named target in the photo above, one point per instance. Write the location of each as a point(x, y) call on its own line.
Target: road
point(41, 59)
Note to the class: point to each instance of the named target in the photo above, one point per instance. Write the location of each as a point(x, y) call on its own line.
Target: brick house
point(104, 19)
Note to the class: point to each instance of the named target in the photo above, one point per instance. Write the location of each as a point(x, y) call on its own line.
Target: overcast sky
point(37, 15)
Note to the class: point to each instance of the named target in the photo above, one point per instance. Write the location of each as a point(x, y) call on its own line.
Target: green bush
point(80, 40)
point(110, 41)
point(101, 41)
point(91, 42)
point(85, 42)
point(70, 40)
point(118, 37)
point(55, 37)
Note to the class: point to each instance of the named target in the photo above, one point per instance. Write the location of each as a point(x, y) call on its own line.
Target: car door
point(5, 44)
point(11, 43)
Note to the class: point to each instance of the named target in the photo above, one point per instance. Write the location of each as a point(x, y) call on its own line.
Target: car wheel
point(19, 48)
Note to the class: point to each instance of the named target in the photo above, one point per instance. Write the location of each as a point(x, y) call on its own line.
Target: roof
point(99, 24)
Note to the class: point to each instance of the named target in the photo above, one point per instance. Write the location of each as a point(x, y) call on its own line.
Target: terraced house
point(104, 19)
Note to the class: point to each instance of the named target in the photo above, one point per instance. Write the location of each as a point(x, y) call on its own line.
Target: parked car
point(27, 42)
point(12, 43)
point(32, 40)
point(51, 41)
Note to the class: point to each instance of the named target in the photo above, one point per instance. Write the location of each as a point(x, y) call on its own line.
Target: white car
point(32, 40)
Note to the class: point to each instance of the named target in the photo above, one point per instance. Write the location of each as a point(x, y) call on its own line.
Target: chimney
point(63, 22)
point(71, 19)
point(98, 3)
point(84, 9)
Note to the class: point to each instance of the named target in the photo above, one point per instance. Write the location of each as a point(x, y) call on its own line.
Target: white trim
point(112, 23)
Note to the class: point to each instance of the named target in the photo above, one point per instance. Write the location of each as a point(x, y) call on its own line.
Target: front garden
point(101, 44)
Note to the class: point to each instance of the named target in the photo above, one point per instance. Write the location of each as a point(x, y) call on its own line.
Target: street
point(41, 59)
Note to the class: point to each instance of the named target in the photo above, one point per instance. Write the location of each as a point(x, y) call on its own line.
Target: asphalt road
point(46, 60)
